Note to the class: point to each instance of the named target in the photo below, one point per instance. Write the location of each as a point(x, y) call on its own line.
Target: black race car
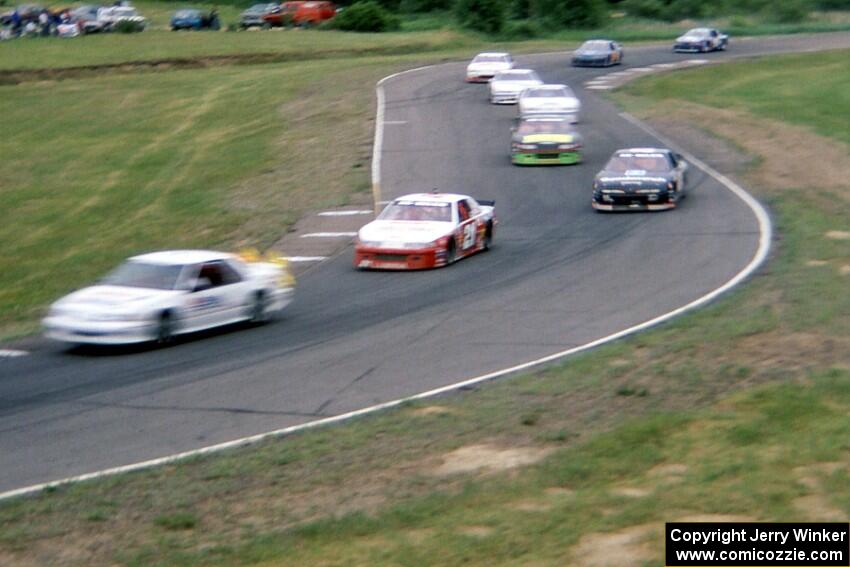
point(640, 179)
point(598, 53)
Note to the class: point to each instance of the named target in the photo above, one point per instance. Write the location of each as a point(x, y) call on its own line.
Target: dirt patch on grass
point(790, 351)
point(476, 531)
point(624, 548)
point(631, 491)
point(432, 410)
point(703, 518)
point(668, 471)
point(838, 235)
point(729, 139)
point(488, 458)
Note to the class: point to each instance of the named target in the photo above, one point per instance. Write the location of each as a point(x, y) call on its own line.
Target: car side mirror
point(202, 284)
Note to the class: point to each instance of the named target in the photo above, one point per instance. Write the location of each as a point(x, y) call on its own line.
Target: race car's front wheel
point(451, 254)
point(165, 329)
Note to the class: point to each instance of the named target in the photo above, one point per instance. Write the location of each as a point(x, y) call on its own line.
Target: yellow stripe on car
point(537, 138)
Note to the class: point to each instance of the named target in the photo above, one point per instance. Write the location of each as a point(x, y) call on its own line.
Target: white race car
point(154, 297)
point(425, 230)
point(700, 40)
point(550, 100)
point(506, 86)
point(484, 66)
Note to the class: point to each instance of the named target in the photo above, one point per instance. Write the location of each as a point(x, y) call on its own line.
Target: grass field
point(739, 411)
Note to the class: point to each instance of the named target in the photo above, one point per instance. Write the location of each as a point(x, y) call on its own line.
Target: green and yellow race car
point(545, 140)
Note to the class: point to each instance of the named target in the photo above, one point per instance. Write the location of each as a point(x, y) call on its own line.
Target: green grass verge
point(766, 367)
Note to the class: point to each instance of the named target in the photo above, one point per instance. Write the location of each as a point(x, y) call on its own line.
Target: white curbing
point(12, 353)
point(765, 235)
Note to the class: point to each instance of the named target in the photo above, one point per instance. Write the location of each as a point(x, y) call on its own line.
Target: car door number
point(468, 235)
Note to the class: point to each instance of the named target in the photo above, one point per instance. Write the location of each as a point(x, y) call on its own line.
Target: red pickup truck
point(306, 13)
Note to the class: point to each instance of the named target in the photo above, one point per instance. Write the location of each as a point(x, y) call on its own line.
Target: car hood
point(691, 38)
point(419, 232)
point(253, 13)
point(103, 298)
point(512, 86)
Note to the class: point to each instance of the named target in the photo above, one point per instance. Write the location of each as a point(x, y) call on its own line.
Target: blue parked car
point(193, 19)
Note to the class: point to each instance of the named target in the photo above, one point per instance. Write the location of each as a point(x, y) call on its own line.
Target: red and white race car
point(425, 230)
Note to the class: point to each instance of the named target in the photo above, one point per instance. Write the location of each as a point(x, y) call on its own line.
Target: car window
point(214, 272)
point(472, 206)
point(462, 211)
point(229, 275)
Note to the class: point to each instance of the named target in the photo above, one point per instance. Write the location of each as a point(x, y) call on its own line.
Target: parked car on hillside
point(111, 16)
point(86, 18)
point(258, 16)
point(700, 40)
point(194, 19)
point(307, 13)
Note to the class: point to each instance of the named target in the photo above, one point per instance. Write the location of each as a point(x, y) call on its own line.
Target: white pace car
point(154, 297)
point(506, 86)
point(484, 66)
point(550, 100)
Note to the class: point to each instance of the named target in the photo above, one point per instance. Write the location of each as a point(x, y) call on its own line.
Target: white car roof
point(432, 197)
point(181, 257)
point(493, 54)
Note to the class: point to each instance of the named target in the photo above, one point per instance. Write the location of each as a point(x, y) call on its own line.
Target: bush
point(516, 31)
point(423, 6)
point(128, 26)
point(520, 9)
point(572, 13)
point(486, 16)
point(366, 16)
point(789, 11)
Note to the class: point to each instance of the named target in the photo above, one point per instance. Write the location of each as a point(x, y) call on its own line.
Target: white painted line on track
point(344, 213)
point(12, 353)
point(765, 233)
point(394, 122)
point(328, 235)
point(307, 258)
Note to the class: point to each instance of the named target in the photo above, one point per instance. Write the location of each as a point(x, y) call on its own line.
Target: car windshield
point(594, 46)
point(489, 59)
point(124, 11)
point(516, 76)
point(417, 211)
point(259, 7)
point(548, 93)
point(698, 32)
point(529, 127)
point(141, 274)
point(626, 162)
point(186, 13)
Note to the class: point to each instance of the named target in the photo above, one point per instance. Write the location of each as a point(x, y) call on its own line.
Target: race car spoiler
point(487, 202)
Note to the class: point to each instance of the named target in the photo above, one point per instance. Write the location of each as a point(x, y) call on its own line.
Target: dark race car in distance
point(598, 53)
point(640, 179)
point(701, 40)
point(545, 140)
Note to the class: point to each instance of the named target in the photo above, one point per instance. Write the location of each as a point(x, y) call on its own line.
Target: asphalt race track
point(559, 275)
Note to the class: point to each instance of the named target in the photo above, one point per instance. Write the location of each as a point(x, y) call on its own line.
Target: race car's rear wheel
point(488, 237)
point(260, 309)
point(165, 328)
